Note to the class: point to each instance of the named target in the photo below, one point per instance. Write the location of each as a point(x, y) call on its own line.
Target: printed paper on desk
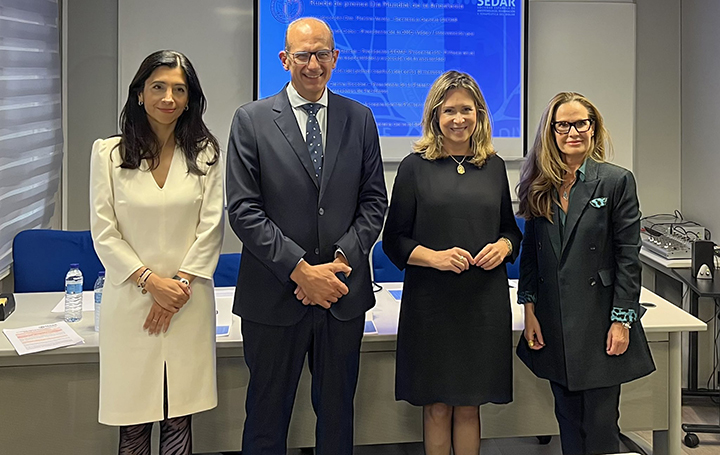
point(28, 340)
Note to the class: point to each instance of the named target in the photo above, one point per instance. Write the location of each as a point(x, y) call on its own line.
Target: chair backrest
point(226, 272)
point(384, 271)
point(42, 257)
point(513, 270)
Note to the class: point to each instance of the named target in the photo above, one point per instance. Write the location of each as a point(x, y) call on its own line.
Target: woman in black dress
point(580, 274)
point(451, 225)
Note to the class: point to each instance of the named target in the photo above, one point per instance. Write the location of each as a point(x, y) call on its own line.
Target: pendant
point(565, 195)
point(460, 169)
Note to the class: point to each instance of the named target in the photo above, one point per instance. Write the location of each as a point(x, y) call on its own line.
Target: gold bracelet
point(509, 245)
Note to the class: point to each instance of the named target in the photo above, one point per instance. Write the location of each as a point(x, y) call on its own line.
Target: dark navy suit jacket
point(281, 213)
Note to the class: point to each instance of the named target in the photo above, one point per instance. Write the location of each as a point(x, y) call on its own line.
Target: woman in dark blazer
point(580, 274)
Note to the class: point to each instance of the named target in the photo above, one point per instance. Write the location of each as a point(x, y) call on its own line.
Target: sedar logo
point(286, 11)
point(497, 7)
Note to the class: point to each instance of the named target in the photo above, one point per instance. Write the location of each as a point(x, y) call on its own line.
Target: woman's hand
point(168, 293)
point(618, 339)
point(158, 319)
point(492, 255)
point(453, 260)
point(532, 333)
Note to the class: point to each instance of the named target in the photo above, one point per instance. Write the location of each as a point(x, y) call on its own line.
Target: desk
point(698, 288)
point(50, 399)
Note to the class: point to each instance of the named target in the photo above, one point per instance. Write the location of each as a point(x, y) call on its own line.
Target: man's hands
point(317, 284)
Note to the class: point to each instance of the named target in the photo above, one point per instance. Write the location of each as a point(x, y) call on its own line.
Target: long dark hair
point(138, 141)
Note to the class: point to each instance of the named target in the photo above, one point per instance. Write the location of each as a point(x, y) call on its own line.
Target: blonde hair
point(544, 168)
point(430, 144)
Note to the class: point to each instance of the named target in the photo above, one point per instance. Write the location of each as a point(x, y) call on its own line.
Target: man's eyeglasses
point(303, 58)
point(581, 126)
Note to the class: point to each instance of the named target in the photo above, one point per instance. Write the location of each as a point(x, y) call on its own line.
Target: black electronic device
point(7, 306)
point(703, 259)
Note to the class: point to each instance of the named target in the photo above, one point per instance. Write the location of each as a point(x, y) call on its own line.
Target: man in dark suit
point(306, 196)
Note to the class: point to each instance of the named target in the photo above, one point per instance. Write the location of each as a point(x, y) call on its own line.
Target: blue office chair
point(513, 270)
point(226, 272)
point(384, 271)
point(42, 257)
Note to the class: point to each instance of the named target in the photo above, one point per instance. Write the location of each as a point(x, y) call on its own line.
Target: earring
point(187, 107)
point(140, 103)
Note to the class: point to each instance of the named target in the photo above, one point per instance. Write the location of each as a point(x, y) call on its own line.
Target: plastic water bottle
point(99, 284)
point(73, 294)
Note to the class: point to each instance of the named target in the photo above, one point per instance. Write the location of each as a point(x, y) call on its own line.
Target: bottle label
point(75, 288)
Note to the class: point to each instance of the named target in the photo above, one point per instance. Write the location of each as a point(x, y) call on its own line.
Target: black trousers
point(275, 356)
point(588, 419)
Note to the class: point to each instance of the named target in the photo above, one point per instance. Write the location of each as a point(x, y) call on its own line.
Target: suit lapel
point(579, 201)
point(335, 126)
point(287, 122)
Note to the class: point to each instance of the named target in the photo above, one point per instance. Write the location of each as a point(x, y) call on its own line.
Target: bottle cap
point(75, 265)
point(101, 273)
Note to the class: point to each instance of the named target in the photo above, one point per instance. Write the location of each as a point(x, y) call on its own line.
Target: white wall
point(657, 115)
point(700, 118)
point(91, 58)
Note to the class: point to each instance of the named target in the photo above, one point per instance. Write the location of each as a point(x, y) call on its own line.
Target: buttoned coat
point(282, 213)
point(177, 227)
point(577, 280)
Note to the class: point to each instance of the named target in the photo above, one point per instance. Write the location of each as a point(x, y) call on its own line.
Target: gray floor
point(697, 411)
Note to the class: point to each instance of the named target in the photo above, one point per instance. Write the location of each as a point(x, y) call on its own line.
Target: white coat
point(179, 227)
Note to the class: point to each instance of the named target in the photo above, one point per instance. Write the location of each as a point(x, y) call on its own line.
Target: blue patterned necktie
point(313, 137)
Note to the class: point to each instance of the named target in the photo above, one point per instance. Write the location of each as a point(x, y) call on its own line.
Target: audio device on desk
point(665, 241)
point(703, 259)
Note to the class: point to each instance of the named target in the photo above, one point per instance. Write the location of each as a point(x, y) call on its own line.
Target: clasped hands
point(169, 296)
point(458, 260)
point(318, 285)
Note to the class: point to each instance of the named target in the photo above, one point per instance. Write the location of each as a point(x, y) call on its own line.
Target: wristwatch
point(182, 280)
point(626, 325)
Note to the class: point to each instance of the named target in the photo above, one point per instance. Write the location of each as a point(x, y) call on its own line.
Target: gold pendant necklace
point(460, 167)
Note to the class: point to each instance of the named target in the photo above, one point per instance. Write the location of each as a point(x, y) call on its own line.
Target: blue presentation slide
point(392, 51)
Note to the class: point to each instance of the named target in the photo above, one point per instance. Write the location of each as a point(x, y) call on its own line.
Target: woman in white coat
point(156, 217)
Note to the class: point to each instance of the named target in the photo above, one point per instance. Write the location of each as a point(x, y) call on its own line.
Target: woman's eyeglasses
point(581, 126)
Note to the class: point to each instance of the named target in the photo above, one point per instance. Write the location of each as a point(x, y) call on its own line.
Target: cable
point(376, 287)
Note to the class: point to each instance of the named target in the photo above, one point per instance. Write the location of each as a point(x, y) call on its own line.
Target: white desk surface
point(35, 308)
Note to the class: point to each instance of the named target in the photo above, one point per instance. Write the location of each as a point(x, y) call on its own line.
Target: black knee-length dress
point(454, 343)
